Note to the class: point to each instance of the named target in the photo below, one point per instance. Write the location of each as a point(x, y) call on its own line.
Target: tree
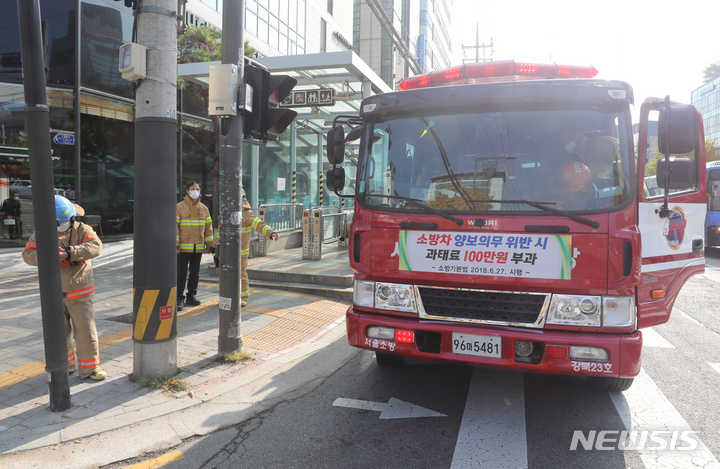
point(711, 72)
point(204, 44)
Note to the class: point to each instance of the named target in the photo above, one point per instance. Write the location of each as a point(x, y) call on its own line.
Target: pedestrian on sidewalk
point(250, 222)
point(194, 237)
point(77, 244)
point(11, 211)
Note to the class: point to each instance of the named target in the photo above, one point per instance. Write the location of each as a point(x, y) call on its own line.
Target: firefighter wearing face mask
point(250, 222)
point(77, 245)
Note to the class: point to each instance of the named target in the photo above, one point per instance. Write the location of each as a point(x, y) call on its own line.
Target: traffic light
point(268, 120)
point(130, 3)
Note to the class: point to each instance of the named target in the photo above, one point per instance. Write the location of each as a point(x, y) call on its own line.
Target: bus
point(712, 219)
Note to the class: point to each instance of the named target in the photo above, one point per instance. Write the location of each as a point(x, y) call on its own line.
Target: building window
point(330, 6)
point(323, 35)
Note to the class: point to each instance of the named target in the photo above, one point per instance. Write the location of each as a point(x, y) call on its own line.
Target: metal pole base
point(156, 360)
point(59, 390)
point(228, 345)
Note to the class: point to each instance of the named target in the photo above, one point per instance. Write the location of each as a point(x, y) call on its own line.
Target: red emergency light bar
point(495, 71)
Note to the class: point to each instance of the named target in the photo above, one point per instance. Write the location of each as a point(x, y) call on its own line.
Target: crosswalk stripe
point(651, 338)
point(492, 432)
point(644, 407)
point(715, 366)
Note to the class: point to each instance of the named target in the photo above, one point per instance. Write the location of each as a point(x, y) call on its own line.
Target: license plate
point(9, 221)
point(477, 345)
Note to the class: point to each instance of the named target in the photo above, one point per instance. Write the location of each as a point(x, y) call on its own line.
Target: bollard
point(320, 194)
point(294, 187)
point(306, 236)
point(317, 235)
point(261, 239)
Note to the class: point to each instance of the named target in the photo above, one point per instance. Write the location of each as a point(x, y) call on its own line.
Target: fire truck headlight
point(575, 310)
point(363, 293)
point(619, 311)
point(396, 297)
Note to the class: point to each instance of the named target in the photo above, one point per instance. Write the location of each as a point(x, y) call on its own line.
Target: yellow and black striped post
point(320, 195)
point(155, 318)
point(342, 204)
point(294, 187)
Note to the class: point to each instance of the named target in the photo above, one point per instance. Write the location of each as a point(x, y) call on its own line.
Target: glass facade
point(279, 23)
point(707, 100)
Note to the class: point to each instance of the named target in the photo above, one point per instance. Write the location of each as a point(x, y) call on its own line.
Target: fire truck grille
point(479, 305)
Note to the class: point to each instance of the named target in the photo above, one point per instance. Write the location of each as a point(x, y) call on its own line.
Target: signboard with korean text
point(493, 254)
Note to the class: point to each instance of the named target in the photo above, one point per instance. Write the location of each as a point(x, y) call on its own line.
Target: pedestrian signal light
point(268, 120)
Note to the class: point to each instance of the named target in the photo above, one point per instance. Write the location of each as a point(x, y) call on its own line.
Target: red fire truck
point(501, 219)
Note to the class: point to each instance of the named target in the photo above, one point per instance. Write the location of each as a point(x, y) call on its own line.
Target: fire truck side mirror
point(355, 134)
point(683, 174)
point(682, 124)
point(336, 179)
point(336, 145)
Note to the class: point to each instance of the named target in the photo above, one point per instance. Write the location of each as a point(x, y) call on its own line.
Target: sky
point(658, 47)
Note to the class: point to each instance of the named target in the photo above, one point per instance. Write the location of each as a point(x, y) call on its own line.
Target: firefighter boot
point(191, 300)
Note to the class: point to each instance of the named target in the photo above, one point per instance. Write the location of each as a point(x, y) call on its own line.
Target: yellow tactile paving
point(294, 326)
point(290, 328)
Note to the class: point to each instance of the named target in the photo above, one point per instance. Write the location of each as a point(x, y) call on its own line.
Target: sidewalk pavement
point(296, 340)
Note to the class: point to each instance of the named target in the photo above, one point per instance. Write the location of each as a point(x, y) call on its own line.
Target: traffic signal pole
point(37, 126)
point(230, 197)
point(155, 254)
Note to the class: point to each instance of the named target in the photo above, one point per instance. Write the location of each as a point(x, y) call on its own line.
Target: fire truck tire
point(386, 359)
point(611, 383)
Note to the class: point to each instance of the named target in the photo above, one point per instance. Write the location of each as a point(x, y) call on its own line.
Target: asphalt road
point(439, 416)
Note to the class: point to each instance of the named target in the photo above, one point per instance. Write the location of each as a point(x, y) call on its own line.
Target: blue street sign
point(64, 139)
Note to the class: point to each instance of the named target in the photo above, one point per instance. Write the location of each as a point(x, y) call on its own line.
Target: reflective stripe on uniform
point(71, 357)
point(31, 246)
point(245, 293)
point(245, 230)
point(88, 236)
point(65, 264)
point(265, 230)
point(200, 247)
point(256, 222)
point(189, 222)
point(245, 252)
point(89, 363)
point(208, 238)
point(75, 294)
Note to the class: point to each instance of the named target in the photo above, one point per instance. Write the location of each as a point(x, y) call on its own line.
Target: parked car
point(24, 188)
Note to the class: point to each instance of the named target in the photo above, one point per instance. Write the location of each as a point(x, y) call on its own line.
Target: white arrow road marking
point(645, 407)
point(394, 409)
point(651, 338)
point(492, 432)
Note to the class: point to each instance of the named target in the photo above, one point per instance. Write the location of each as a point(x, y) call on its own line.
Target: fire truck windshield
point(574, 160)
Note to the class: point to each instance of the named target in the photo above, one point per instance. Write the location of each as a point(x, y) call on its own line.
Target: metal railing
point(282, 217)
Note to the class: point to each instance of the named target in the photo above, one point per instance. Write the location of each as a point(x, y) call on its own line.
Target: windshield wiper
point(544, 206)
point(458, 221)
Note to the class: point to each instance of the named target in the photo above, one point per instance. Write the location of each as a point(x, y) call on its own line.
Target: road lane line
point(651, 338)
point(715, 366)
point(160, 461)
point(644, 407)
point(492, 432)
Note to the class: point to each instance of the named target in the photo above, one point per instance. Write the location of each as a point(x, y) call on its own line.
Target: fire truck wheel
point(385, 359)
point(612, 384)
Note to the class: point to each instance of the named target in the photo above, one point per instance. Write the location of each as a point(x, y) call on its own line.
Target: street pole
point(37, 126)
point(155, 255)
point(230, 212)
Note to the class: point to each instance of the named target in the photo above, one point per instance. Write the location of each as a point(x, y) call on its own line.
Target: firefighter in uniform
point(77, 244)
point(250, 222)
point(194, 237)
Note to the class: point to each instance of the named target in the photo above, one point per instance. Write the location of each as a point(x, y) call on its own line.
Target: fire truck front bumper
point(532, 350)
